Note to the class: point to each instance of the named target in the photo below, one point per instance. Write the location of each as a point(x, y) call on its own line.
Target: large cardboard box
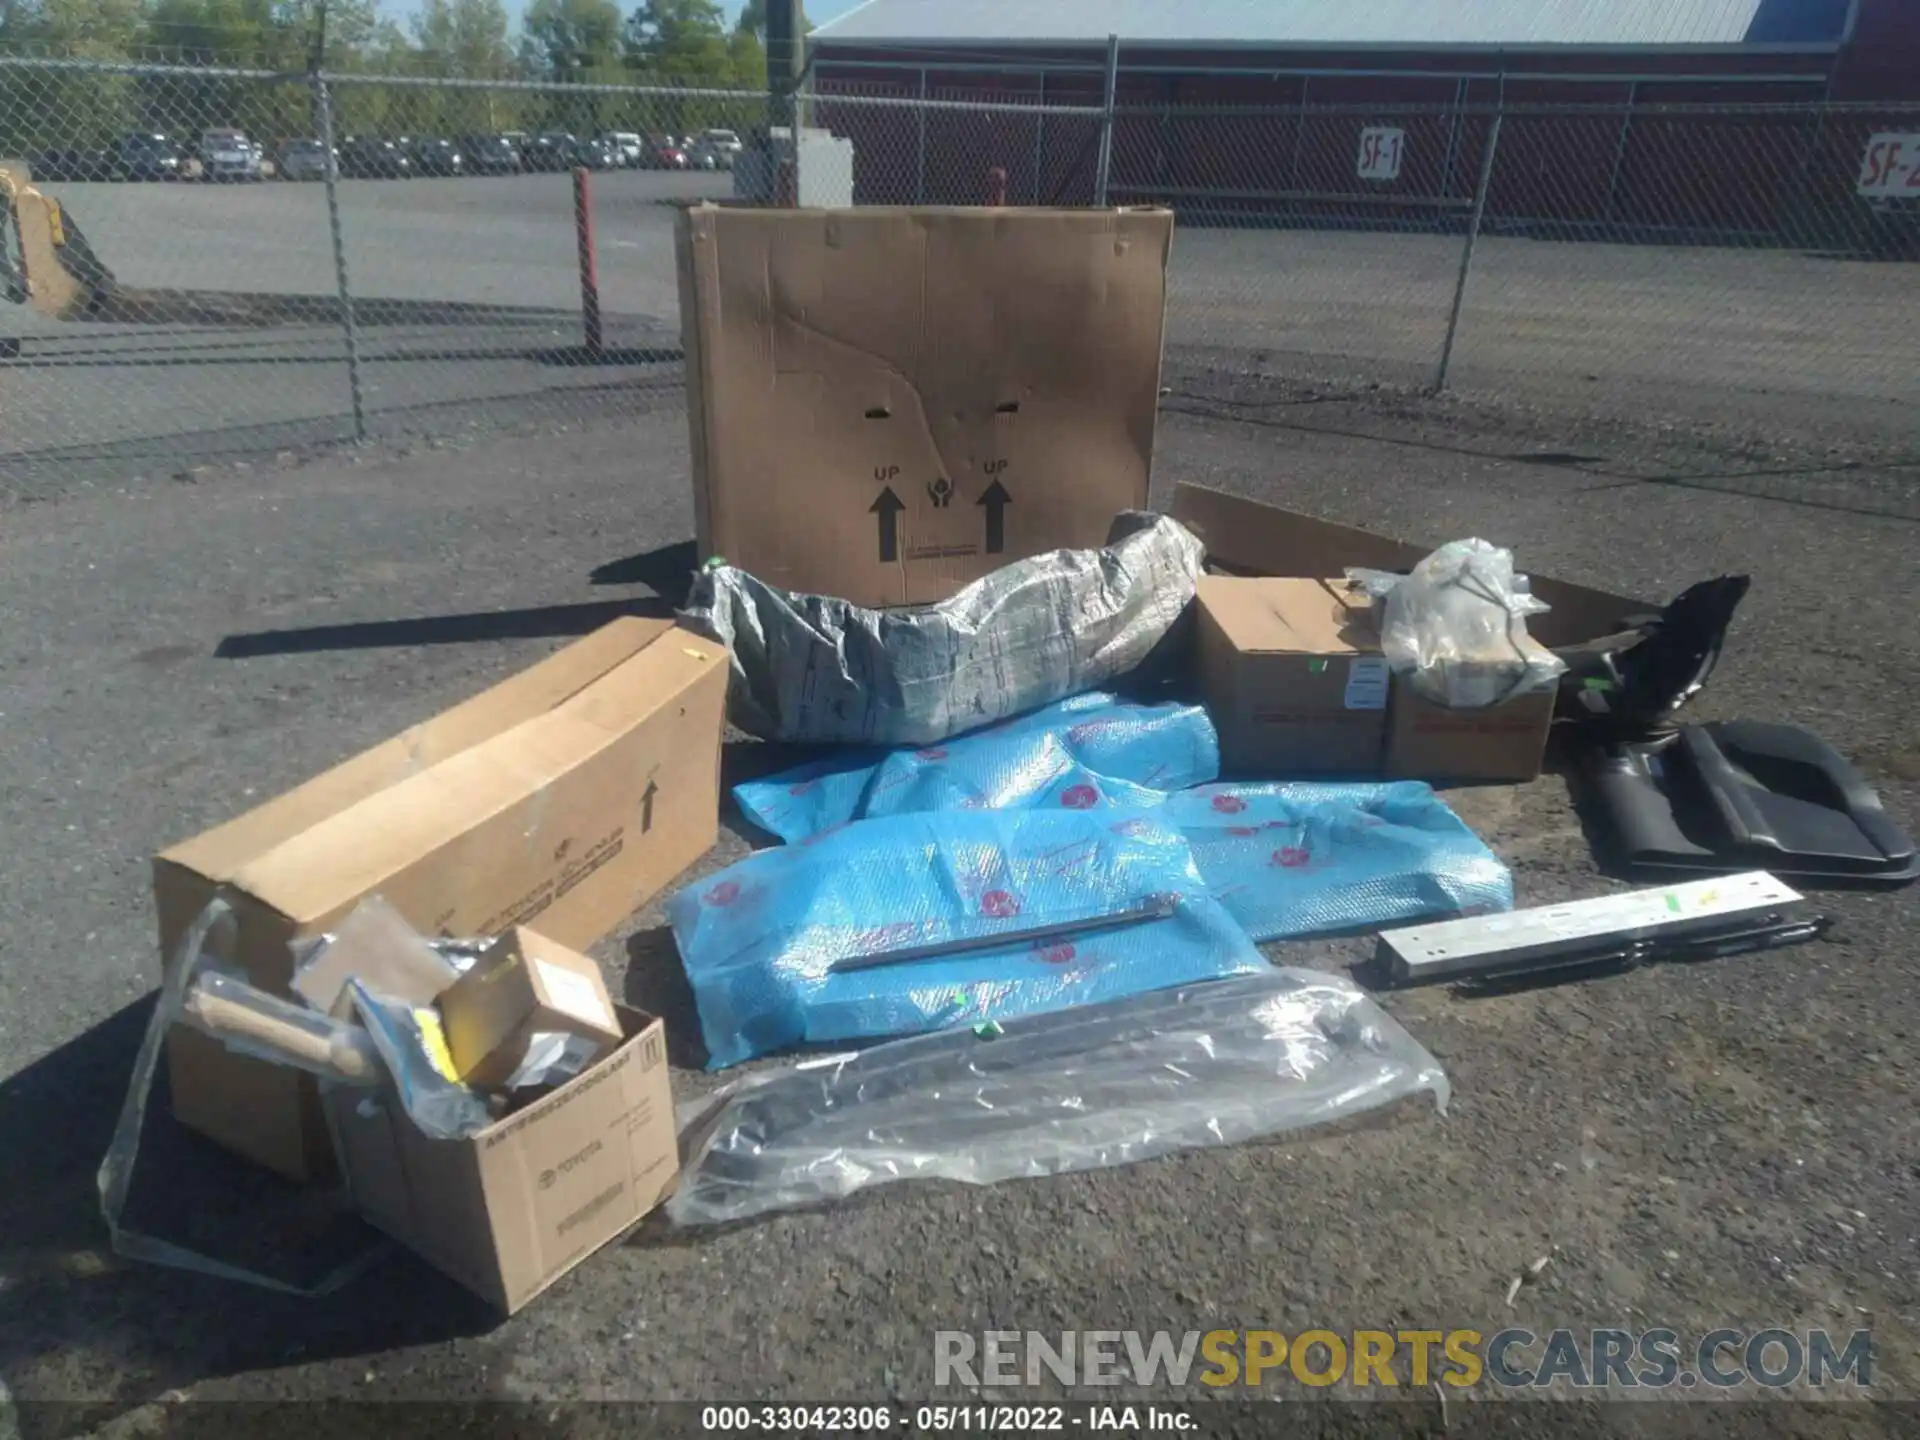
point(888, 403)
point(510, 1210)
point(1292, 675)
point(572, 793)
point(1506, 742)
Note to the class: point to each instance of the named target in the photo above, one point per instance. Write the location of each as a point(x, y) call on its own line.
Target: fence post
point(920, 127)
point(589, 262)
point(1466, 250)
point(1106, 125)
point(330, 173)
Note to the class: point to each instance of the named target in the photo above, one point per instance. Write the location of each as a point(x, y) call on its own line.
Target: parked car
point(665, 153)
point(490, 155)
point(143, 156)
point(229, 155)
point(302, 160)
point(628, 147)
point(70, 164)
point(434, 156)
point(553, 151)
point(722, 145)
point(596, 154)
point(367, 157)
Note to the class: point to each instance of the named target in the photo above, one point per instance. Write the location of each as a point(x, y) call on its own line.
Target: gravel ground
point(1723, 1145)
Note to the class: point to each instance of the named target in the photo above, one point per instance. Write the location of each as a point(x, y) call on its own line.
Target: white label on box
point(573, 995)
point(1367, 682)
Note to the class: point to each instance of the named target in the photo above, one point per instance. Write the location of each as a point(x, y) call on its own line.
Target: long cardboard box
point(1422, 741)
point(888, 403)
point(571, 793)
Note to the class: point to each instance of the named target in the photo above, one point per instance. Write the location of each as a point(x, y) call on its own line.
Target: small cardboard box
point(510, 1210)
point(1248, 537)
point(523, 986)
point(1504, 741)
point(886, 404)
point(573, 792)
point(1293, 676)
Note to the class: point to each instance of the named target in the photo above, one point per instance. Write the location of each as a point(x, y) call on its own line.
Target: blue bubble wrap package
point(1290, 858)
point(1083, 753)
point(757, 939)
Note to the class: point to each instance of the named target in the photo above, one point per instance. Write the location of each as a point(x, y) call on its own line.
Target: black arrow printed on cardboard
point(646, 806)
point(996, 500)
point(888, 508)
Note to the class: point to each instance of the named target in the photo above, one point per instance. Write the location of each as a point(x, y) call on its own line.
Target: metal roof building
point(1254, 104)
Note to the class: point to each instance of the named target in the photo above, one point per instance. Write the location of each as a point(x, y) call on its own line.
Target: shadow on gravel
point(539, 622)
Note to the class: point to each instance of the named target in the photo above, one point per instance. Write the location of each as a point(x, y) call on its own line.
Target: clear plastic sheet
point(816, 669)
point(1093, 1086)
point(759, 940)
point(1086, 752)
point(1456, 626)
point(440, 1107)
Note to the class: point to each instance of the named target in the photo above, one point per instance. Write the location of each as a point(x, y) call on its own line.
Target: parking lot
point(467, 297)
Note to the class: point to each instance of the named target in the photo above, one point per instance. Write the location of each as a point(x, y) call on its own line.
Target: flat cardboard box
point(510, 1210)
point(1249, 537)
point(886, 404)
point(572, 792)
point(524, 986)
point(1292, 675)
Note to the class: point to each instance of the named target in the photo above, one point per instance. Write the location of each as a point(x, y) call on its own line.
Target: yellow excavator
point(45, 261)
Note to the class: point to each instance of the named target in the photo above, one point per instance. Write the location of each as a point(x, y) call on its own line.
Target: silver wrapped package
point(818, 670)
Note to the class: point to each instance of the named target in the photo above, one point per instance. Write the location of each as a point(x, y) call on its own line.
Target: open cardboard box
point(508, 1211)
point(1423, 741)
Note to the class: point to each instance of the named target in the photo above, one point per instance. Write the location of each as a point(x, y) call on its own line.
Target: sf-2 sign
point(1380, 150)
point(1890, 167)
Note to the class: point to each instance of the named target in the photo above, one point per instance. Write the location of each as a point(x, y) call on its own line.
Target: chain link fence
point(243, 284)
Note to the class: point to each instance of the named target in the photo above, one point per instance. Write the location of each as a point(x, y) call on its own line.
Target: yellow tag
point(54, 227)
point(433, 1039)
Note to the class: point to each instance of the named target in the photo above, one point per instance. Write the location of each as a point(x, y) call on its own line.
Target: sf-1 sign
point(1380, 150)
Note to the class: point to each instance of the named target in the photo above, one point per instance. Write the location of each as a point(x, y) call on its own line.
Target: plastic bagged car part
point(553, 1057)
point(816, 669)
point(1077, 1089)
point(1456, 626)
point(1085, 752)
point(758, 938)
point(375, 943)
point(413, 1048)
point(1292, 858)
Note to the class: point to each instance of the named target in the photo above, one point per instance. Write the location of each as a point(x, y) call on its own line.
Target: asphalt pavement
point(1727, 1144)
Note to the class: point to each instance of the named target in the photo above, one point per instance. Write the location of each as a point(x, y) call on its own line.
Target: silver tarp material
point(819, 670)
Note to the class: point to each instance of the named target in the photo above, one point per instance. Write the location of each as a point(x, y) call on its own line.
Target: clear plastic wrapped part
point(552, 1058)
point(441, 1108)
point(1457, 627)
point(815, 669)
point(1218, 1063)
point(252, 1022)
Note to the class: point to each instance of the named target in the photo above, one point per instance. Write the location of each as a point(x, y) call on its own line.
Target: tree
point(753, 21)
point(679, 40)
point(464, 38)
point(565, 37)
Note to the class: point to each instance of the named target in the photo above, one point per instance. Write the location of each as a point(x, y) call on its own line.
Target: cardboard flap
point(220, 853)
point(1249, 537)
point(886, 403)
